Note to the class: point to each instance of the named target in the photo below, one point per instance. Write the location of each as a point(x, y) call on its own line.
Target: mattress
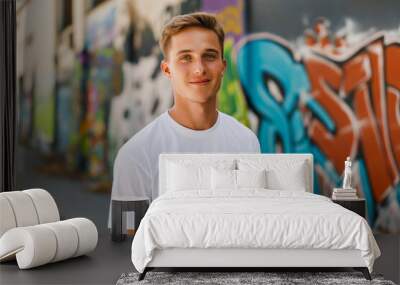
point(250, 219)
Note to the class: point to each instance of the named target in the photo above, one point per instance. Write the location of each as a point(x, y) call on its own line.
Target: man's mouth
point(200, 81)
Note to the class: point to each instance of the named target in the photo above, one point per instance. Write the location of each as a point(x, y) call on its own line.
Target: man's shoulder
point(234, 125)
point(140, 141)
point(240, 134)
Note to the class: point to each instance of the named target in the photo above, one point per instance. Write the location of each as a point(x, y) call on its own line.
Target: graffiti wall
point(36, 73)
point(330, 93)
point(334, 99)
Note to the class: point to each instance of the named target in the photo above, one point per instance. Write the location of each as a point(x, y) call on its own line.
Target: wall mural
point(333, 99)
point(101, 85)
point(330, 94)
point(35, 76)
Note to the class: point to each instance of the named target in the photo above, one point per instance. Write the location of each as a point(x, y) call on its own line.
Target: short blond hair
point(182, 22)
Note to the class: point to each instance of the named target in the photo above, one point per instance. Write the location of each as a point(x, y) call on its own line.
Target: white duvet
point(252, 218)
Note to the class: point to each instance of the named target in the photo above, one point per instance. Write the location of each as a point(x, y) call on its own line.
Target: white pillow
point(188, 175)
point(289, 175)
point(291, 179)
point(251, 178)
point(223, 179)
point(237, 179)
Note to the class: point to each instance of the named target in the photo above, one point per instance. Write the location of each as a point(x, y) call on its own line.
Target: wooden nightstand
point(355, 205)
point(118, 220)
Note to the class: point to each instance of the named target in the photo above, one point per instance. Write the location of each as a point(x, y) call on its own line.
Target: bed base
point(239, 259)
point(363, 270)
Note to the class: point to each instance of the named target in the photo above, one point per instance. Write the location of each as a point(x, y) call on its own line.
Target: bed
point(247, 210)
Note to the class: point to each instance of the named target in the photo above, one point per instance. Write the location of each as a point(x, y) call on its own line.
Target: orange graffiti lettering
point(325, 80)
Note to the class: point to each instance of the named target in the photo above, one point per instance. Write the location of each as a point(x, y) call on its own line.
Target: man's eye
point(185, 58)
point(210, 56)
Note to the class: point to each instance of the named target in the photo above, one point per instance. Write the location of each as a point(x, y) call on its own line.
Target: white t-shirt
point(136, 165)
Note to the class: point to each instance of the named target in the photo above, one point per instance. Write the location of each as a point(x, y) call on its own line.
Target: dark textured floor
point(250, 278)
point(110, 260)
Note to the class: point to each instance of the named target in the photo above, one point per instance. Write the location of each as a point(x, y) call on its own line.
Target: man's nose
point(198, 67)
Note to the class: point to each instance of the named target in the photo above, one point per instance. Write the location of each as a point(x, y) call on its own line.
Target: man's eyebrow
point(212, 50)
point(183, 51)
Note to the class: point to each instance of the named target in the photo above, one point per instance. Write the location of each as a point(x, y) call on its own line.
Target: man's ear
point(165, 68)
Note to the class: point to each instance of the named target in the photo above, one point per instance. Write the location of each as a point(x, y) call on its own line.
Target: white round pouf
point(23, 208)
point(40, 244)
point(31, 232)
point(7, 218)
point(33, 246)
point(87, 233)
point(67, 239)
point(45, 205)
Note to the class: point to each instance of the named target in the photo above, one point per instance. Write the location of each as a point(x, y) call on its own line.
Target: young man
point(192, 46)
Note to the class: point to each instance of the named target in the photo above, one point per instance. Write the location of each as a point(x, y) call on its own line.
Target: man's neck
point(195, 116)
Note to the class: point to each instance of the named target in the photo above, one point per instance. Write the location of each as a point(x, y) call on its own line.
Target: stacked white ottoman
point(31, 230)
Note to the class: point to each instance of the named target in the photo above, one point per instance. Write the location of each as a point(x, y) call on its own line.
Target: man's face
point(194, 64)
